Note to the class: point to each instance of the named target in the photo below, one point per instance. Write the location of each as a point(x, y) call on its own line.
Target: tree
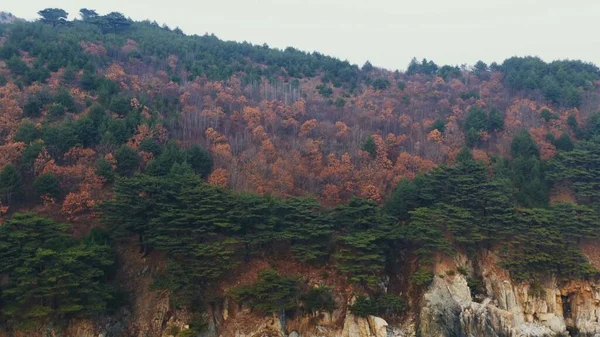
point(477, 121)
point(33, 107)
point(578, 170)
point(133, 206)
point(257, 230)
point(49, 275)
point(194, 228)
point(593, 124)
point(200, 160)
point(496, 120)
point(380, 84)
point(53, 16)
point(301, 222)
point(88, 14)
point(11, 184)
point(318, 299)
point(564, 143)
point(127, 161)
point(47, 185)
point(104, 169)
point(271, 293)
point(448, 72)
point(370, 146)
point(403, 200)
point(524, 146)
point(364, 231)
point(27, 132)
point(120, 104)
point(161, 165)
point(439, 125)
point(116, 21)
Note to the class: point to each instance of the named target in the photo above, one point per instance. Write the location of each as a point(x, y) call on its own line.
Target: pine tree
point(370, 147)
point(579, 170)
point(47, 185)
point(301, 221)
point(11, 184)
point(254, 215)
point(271, 293)
point(200, 160)
point(365, 232)
point(50, 276)
point(527, 171)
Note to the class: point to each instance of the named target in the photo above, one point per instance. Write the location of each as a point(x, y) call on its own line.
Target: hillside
point(290, 183)
point(6, 17)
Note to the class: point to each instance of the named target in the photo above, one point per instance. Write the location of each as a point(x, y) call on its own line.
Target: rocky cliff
point(448, 308)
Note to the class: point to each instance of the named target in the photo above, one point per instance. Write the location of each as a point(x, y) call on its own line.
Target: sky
point(388, 33)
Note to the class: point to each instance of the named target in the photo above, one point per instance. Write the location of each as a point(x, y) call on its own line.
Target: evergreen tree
point(271, 293)
point(11, 184)
point(301, 221)
point(255, 216)
point(363, 240)
point(127, 161)
point(161, 165)
point(50, 276)
point(579, 170)
point(133, 206)
point(528, 174)
point(370, 147)
point(403, 200)
point(53, 16)
point(47, 185)
point(105, 170)
point(496, 120)
point(200, 160)
point(27, 132)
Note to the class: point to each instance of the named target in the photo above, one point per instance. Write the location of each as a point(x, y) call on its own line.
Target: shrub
point(422, 277)
point(271, 293)
point(382, 304)
point(536, 289)
point(318, 299)
point(363, 306)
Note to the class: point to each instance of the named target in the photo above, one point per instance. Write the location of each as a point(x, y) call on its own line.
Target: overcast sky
point(386, 32)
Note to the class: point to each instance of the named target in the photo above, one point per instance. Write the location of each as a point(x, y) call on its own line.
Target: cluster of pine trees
point(207, 231)
point(49, 276)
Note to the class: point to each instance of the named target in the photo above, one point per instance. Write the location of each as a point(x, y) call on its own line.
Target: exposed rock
point(378, 326)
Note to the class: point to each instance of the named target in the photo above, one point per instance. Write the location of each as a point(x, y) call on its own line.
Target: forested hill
point(218, 153)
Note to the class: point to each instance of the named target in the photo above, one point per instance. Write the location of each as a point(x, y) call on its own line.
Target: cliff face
point(509, 309)
point(446, 309)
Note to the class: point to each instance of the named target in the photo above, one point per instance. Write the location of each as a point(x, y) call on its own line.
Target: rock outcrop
point(502, 308)
point(507, 309)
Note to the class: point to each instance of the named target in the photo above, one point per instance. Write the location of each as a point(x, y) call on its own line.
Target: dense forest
point(214, 154)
